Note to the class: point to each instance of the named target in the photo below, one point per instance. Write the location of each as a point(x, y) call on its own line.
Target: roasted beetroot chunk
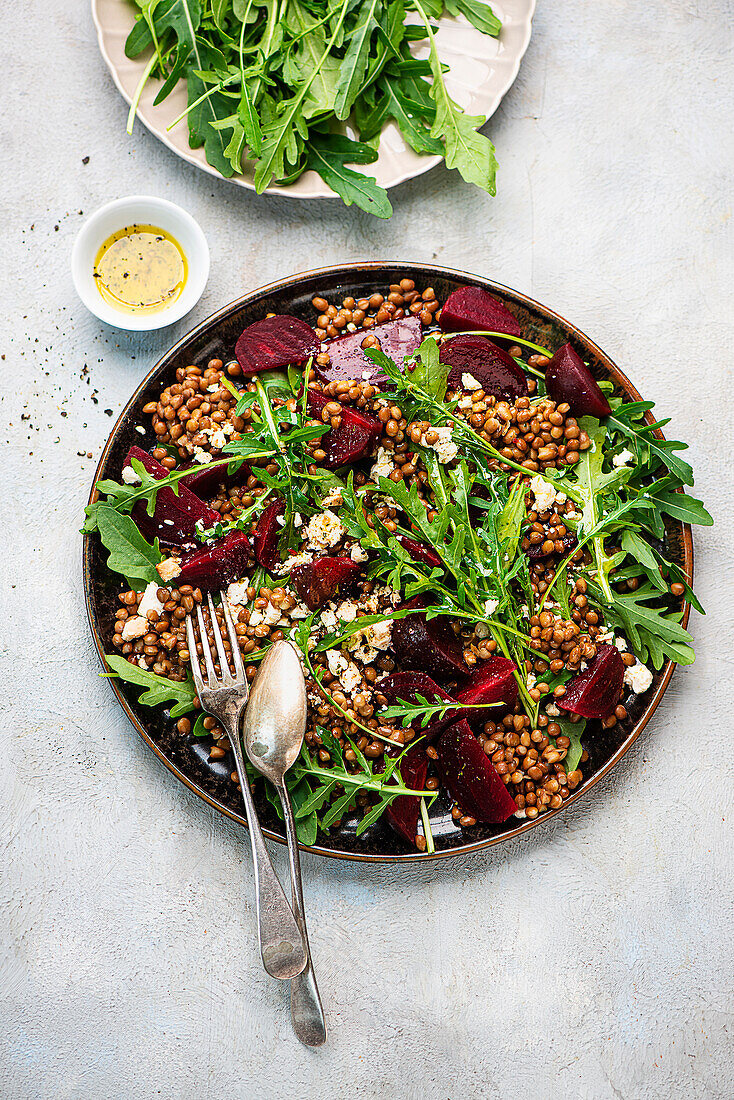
point(493, 368)
point(206, 482)
point(470, 777)
point(471, 309)
point(407, 686)
point(218, 565)
point(267, 534)
point(318, 580)
point(492, 681)
point(596, 691)
point(567, 378)
point(348, 360)
point(419, 551)
point(403, 812)
point(428, 645)
point(353, 438)
point(176, 515)
point(274, 343)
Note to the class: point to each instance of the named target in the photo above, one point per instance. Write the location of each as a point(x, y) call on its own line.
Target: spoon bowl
point(275, 719)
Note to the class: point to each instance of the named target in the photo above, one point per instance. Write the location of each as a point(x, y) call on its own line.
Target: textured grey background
point(591, 959)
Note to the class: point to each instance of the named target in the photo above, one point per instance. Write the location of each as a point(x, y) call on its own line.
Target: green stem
point(139, 91)
point(202, 98)
point(430, 846)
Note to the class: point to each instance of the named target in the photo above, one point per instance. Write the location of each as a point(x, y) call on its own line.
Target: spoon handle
point(307, 1013)
point(283, 943)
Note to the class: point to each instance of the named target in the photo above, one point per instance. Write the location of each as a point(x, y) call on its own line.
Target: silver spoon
point(275, 722)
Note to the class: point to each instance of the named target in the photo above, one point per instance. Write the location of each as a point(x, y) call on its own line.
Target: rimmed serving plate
point(187, 757)
point(482, 69)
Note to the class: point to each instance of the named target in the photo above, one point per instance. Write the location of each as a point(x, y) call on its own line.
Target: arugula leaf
point(574, 731)
point(354, 64)
point(470, 152)
point(625, 420)
point(158, 688)
point(353, 187)
point(130, 554)
point(478, 13)
point(654, 633)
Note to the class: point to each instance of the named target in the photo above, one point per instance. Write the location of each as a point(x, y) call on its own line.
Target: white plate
point(482, 70)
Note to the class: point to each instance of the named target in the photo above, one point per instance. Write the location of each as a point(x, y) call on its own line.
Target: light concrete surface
point(591, 959)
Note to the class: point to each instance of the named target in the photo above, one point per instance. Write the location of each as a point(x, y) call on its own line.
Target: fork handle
point(307, 1013)
point(283, 943)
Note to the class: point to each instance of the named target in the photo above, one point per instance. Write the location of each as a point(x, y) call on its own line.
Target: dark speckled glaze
point(187, 757)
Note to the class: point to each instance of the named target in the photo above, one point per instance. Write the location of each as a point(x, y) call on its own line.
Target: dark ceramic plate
point(187, 757)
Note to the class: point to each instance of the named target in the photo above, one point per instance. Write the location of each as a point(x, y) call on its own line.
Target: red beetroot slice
point(419, 551)
point(403, 812)
point(206, 482)
point(407, 686)
point(470, 307)
point(274, 343)
point(317, 581)
point(567, 378)
point(492, 681)
point(428, 645)
point(348, 360)
point(176, 515)
point(596, 690)
point(267, 533)
point(352, 439)
point(217, 565)
point(470, 777)
point(495, 370)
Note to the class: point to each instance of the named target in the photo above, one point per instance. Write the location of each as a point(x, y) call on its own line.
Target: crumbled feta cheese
point(519, 813)
point(531, 681)
point(134, 628)
point(139, 428)
point(202, 456)
point(333, 498)
point(573, 515)
point(358, 554)
point(469, 382)
point(552, 710)
point(347, 611)
point(300, 611)
point(544, 493)
point(490, 606)
point(344, 670)
point(624, 458)
point(213, 388)
point(383, 465)
point(465, 403)
point(365, 654)
point(237, 593)
point(604, 639)
point(379, 635)
point(150, 601)
point(129, 476)
point(297, 519)
point(256, 617)
point(142, 663)
point(325, 530)
point(270, 614)
point(168, 569)
point(638, 677)
point(620, 643)
point(329, 620)
point(444, 446)
point(296, 559)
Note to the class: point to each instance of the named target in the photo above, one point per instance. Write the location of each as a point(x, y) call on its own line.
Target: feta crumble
point(344, 670)
point(469, 382)
point(621, 644)
point(134, 628)
point(333, 498)
point(325, 530)
point(150, 601)
point(638, 677)
point(129, 476)
point(552, 710)
point(544, 493)
point(624, 458)
point(357, 554)
point(383, 465)
point(237, 593)
point(168, 569)
point(202, 456)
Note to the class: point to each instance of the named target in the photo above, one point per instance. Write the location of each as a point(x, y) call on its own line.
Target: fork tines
point(226, 678)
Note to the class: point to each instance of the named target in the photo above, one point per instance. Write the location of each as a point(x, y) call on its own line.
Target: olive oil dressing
point(140, 269)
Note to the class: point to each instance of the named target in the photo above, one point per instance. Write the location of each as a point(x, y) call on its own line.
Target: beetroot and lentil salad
point(463, 534)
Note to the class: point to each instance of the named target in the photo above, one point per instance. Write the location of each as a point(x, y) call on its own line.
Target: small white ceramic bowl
point(139, 210)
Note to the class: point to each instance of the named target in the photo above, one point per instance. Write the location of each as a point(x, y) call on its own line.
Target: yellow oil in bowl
point(140, 269)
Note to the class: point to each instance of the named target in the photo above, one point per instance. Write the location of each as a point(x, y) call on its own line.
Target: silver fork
point(282, 946)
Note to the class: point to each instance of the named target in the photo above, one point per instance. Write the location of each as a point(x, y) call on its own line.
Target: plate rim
point(322, 191)
point(212, 320)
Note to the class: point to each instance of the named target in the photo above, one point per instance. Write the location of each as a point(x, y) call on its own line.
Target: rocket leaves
point(274, 82)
